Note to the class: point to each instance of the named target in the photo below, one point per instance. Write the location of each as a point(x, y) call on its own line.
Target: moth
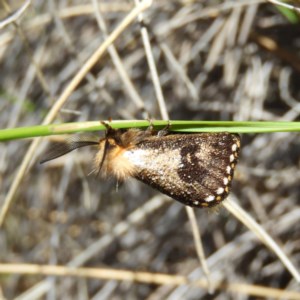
point(195, 169)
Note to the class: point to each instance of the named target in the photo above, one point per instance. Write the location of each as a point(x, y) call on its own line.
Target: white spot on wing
point(209, 198)
point(220, 191)
point(228, 169)
point(231, 157)
point(225, 180)
point(234, 147)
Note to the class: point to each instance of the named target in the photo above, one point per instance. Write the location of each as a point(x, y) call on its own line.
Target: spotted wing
point(195, 169)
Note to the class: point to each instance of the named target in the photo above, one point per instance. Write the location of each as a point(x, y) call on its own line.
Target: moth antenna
point(60, 149)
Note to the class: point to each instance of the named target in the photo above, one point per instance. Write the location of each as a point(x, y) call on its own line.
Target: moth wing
point(195, 169)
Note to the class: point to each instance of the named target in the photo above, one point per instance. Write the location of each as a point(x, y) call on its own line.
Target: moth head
point(109, 160)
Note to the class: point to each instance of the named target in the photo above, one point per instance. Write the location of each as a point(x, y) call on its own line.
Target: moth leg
point(107, 126)
point(151, 126)
point(165, 130)
point(109, 130)
point(150, 129)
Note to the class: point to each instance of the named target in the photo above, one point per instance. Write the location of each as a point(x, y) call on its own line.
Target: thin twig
point(199, 247)
point(128, 85)
point(15, 15)
point(283, 4)
point(152, 67)
point(142, 277)
point(250, 223)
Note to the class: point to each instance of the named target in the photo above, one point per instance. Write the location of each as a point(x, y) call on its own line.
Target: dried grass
point(235, 61)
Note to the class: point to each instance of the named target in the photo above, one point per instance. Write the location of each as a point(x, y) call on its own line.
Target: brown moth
point(195, 169)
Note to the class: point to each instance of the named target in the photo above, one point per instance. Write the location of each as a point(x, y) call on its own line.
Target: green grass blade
point(178, 126)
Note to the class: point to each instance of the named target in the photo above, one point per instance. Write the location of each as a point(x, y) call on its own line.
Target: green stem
point(179, 126)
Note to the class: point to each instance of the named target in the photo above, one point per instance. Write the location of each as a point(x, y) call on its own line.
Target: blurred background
point(216, 60)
